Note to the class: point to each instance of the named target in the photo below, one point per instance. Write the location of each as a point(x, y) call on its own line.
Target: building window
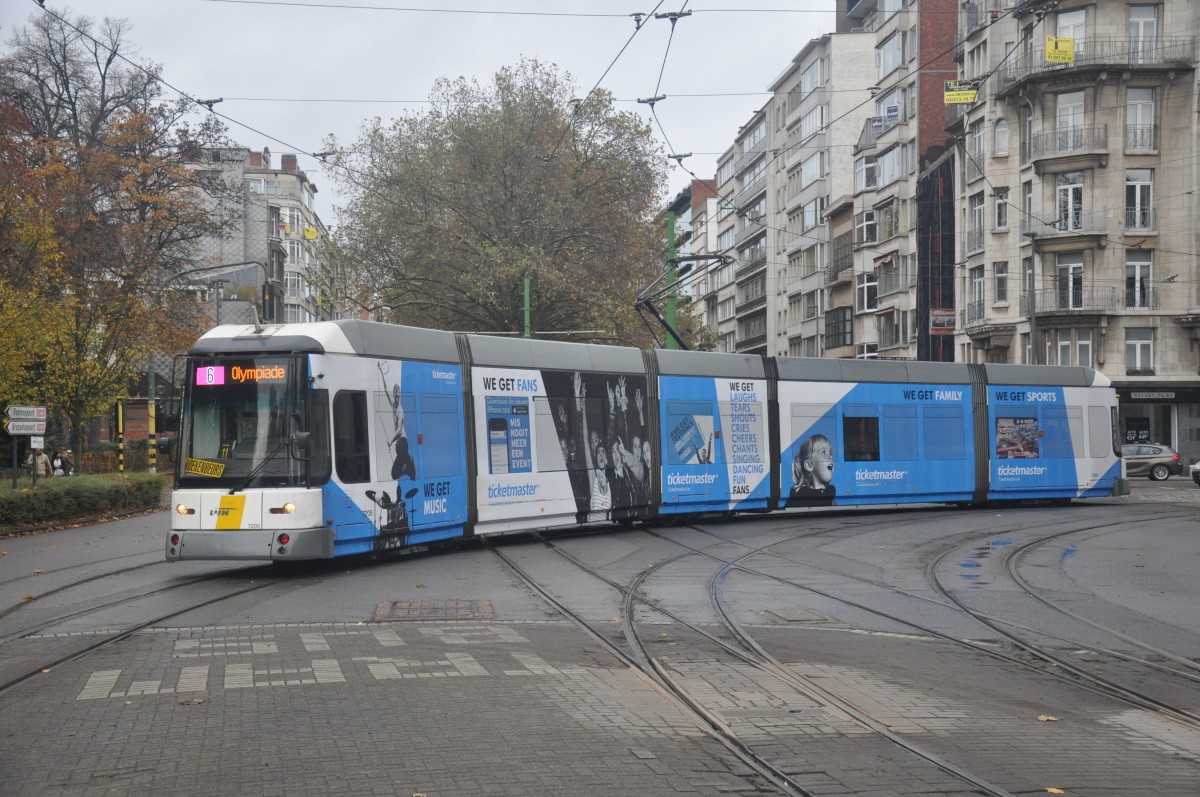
point(1138, 266)
point(1070, 119)
point(1139, 194)
point(975, 222)
point(1083, 347)
point(1140, 131)
point(864, 227)
point(1000, 138)
point(1069, 189)
point(891, 165)
point(725, 239)
point(812, 302)
point(726, 309)
point(1143, 33)
point(839, 327)
point(1000, 270)
point(890, 54)
point(725, 172)
point(865, 173)
point(812, 122)
point(812, 213)
point(1139, 350)
point(1064, 346)
point(813, 259)
point(810, 78)
point(811, 169)
point(1069, 276)
point(867, 291)
point(1001, 200)
point(1072, 25)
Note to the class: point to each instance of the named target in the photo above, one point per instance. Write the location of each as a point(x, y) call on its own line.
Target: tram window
point(350, 451)
point(440, 441)
point(944, 436)
point(1099, 432)
point(860, 435)
point(318, 426)
point(900, 432)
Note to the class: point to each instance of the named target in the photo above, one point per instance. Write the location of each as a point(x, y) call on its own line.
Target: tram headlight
point(287, 509)
point(184, 509)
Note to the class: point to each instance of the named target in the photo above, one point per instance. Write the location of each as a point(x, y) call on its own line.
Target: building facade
point(1077, 199)
point(269, 257)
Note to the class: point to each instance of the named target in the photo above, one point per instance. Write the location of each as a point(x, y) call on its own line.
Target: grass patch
point(72, 497)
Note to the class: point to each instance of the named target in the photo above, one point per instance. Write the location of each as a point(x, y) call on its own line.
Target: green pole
point(671, 276)
point(528, 331)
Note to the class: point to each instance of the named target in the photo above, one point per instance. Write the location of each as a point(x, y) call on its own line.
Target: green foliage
point(452, 210)
point(69, 497)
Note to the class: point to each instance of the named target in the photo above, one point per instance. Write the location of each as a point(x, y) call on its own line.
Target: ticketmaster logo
point(511, 490)
point(684, 479)
point(862, 474)
point(1021, 470)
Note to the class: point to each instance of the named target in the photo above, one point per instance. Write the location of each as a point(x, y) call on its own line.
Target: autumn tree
point(118, 215)
point(452, 209)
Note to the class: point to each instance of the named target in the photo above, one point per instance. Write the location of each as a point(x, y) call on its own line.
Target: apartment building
point(886, 312)
point(812, 170)
point(1077, 199)
point(268, 257)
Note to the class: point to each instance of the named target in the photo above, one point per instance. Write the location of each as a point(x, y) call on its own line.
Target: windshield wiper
point(255, 471)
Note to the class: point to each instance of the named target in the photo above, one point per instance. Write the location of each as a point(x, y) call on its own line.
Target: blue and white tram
point(310, 441)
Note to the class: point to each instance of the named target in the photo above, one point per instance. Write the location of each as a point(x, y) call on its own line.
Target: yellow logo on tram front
point(229, 513)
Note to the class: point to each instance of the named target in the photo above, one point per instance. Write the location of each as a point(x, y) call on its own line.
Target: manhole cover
point(798, 615)
point(434, 610)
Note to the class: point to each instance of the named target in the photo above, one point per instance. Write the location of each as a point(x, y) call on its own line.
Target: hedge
point(64, 498)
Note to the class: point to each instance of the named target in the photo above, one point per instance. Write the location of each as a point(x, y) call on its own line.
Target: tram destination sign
point(24, 420)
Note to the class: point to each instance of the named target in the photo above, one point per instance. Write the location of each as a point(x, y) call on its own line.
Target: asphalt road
point(899, 652)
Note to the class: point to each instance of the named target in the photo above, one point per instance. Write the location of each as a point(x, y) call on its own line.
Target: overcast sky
point(291, 73)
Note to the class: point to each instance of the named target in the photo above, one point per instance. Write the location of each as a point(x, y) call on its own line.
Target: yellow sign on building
point(961, 91)
point(1060, 50)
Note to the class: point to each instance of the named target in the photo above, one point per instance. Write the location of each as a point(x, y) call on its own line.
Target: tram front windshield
point(240, 420)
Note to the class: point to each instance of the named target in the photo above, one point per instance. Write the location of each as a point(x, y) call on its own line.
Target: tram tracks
point(743, 650)
point(104, 639)
point(1057, 665)
point(736, 641)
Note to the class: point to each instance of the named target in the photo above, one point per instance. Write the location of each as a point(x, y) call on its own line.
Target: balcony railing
point(974, 240)
point(749, 155)
point(1072, 298)
point(751, 265)
point(974, 164)
point(1141, 137)
point(1140, 219)
point(1072, 221)
point(1069, 141)
point(751, 230)
point(750, 191)
point(1103, 52)
point(973, 313)
point(1141, 297)
point(838, 272)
